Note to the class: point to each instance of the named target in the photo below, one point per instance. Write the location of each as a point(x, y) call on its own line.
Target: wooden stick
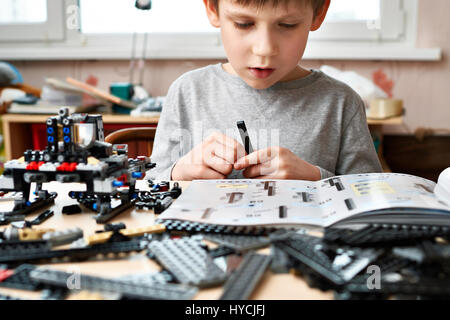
point(102, 94)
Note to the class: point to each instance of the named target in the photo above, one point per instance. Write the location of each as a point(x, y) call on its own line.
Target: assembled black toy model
point(76, 153)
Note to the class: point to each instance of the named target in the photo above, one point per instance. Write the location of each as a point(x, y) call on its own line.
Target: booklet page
point(321, 203)
point(353, 194)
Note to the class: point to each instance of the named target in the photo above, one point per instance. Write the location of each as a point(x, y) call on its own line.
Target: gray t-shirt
point(318, 118)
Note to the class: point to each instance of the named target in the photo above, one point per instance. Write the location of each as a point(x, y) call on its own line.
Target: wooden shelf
point(18, 134)
point(389, 121)
point(107, 118)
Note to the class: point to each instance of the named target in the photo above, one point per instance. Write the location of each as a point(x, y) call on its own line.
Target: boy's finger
point(204, 172)
point(226, 140)
point(198, 171)
point(229, 154)
point(212, 174)
point(219, 165)
point(260, 156)
point(261, 169)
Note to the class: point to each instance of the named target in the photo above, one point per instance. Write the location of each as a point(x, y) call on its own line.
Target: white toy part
point(363, 86)
point(6, 183)
point(442, 189)
point(11, 94)
point(104, 186)
point(15, 164)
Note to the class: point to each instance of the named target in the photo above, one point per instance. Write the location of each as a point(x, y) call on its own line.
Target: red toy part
point(73, 166)
point(381, 80)
point(32, 166)
point(5, 274)
point(67, 167)
point(123, 178)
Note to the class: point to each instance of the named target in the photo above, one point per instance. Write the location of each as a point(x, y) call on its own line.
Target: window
point(368, 20)
point(23, 11)
point(27, 20)
point(119, 16)
point(348, 10)
point(353, 29)
point(362, 18)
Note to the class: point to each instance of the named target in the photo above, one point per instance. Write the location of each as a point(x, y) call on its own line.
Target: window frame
point(391, 27)
point(51, 30)
point(396, 41)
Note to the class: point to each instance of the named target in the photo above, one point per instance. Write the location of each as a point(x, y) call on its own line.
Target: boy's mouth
point(261, 73)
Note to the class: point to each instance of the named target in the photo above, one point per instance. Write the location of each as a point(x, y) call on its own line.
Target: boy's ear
point(212, 13)
point(320, 16)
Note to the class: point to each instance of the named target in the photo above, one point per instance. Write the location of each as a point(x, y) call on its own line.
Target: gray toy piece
point(187, 261)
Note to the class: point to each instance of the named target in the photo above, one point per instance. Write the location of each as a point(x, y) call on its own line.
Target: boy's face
point(264, 45)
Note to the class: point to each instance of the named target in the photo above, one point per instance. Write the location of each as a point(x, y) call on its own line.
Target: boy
point(317, 125)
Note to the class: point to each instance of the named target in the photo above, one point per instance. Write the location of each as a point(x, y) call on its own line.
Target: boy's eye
point(243, 25)
point(288, 26)
point(247, 25)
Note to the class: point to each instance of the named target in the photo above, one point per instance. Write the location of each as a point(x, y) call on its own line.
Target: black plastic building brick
point(161, 205)
point(307, 256)
point(401, 274)
point(38, 203)
point(196, 227)
point(7, 218)
point(237, 242)
point(41, 251)
point(71, 209)
point(395, 284)
point(16, 247)
point(281, 263)
point(220, 251)
point(41, 218)
point(105, 217)
point(161, 291)
point(245, 278)
point(337, 265)
point(382, 234)
point(21, 279)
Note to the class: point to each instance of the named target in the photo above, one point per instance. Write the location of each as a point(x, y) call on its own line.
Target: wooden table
point(272, 286)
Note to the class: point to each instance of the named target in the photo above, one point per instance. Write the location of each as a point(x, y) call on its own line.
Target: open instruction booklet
point(349, 199)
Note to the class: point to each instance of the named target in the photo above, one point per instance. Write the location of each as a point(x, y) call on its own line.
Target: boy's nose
point(265, 44)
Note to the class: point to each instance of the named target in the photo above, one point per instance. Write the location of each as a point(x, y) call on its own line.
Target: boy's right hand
point(212, 159)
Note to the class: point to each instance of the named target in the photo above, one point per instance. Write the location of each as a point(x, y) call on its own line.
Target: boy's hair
point(316, 4)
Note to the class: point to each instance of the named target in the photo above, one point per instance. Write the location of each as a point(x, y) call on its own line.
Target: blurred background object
point(9, 74)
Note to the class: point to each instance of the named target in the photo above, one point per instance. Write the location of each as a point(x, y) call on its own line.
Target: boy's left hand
point(277, 163)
